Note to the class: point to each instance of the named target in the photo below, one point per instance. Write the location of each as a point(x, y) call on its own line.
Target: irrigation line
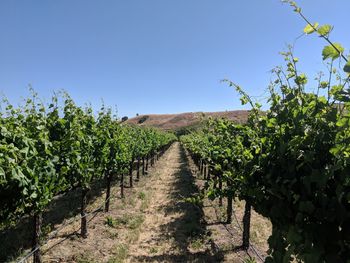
point(232, 235)
point(228, 230)
point(63, 226)
point(251, 245)
point(95, 212)
point(29, 255)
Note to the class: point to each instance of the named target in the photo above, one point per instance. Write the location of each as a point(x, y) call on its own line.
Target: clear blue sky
point(155, 56)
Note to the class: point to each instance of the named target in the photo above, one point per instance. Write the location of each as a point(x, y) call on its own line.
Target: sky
point(156, 56)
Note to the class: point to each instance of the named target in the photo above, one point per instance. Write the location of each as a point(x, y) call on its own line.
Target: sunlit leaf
point(309, 29)
point(324, 30)
point(332, 52)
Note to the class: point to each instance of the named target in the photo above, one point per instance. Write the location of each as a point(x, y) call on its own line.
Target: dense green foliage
point(292, 162)
point(45, 151)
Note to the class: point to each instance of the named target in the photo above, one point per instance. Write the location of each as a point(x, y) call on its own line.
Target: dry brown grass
point(182, 120)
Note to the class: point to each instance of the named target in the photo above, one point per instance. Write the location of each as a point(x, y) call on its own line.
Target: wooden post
point(143, 166)
point(246, 225)
point(229, 203)
point(83, 226)
point(36, 237)
point(152, 159)
point(108, 191)
point(195, 160)
point(122, 186)
point(130, 172)
point(138, 169)
point(220, 187)
point(147, 157)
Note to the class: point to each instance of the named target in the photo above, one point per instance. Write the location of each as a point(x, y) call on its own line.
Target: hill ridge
point(177, 121)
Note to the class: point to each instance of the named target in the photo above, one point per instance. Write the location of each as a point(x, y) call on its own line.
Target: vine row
point(290, 163)
point(47, 150)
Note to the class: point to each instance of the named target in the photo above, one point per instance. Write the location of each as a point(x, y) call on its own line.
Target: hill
point(186, 120)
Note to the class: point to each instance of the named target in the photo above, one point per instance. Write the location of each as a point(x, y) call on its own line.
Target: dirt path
point(173, 230)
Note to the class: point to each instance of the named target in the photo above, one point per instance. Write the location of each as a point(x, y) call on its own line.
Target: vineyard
point(290, 163)
point(46, 152)
point(88, 187)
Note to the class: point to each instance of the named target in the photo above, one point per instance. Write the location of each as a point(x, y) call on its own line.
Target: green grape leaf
point(324, 30)
point(341, 123)
point(324, 84)
point(347, 67)
point(308, 29)
point(335, 89)
point(244, 100)
point(2, 175)
point(293, 4)
point(331, 52)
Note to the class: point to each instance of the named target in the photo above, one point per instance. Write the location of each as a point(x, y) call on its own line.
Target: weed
point(197, 243)
point(131, 221)
point(249, 260)
point(123, 220)
point(142, 195)
point(153, 250)
point(116, 222)
point(136, 222)
point(110, 221)
point(84, 258)
point(120, 252)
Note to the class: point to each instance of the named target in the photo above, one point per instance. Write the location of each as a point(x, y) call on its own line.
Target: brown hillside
point(183, 120)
